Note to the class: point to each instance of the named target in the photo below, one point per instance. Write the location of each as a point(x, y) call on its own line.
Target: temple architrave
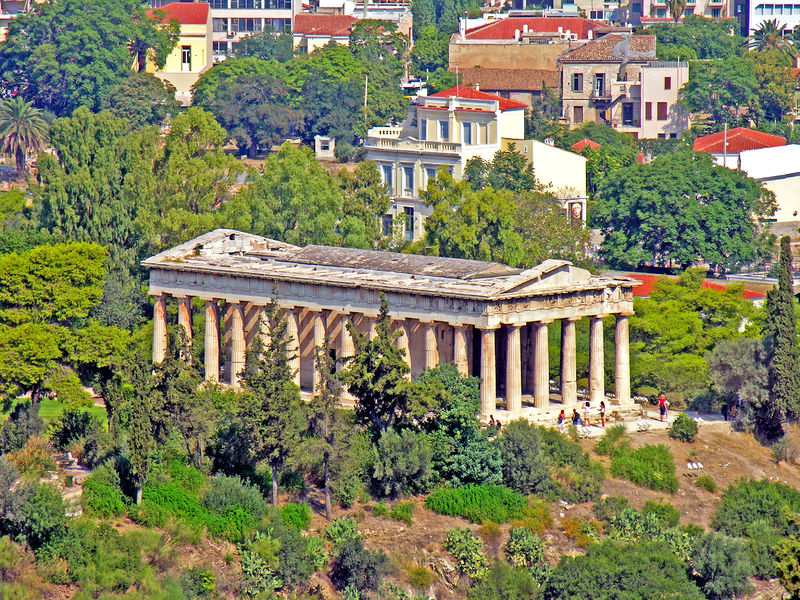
point(490, 319)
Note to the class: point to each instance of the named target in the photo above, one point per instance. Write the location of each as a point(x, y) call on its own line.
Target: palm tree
point(769, 36)
point(23, 130)
point(676, 8)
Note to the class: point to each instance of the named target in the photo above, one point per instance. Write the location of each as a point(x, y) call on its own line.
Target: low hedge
point(650, 466)
point(478, 503)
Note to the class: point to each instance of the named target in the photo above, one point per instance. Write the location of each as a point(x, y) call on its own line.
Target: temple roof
point(226, 251)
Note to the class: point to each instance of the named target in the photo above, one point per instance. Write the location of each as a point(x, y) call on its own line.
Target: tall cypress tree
point(781, 336)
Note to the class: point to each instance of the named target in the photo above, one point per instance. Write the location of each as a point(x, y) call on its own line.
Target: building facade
point(617, 80)
point(491, 320)
point(647, 12)
point(785, 12)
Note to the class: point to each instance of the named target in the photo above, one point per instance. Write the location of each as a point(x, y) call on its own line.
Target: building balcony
point(601, 94)
point(412, 145)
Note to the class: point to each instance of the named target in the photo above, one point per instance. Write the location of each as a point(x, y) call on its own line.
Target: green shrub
point(505, 581)
point(297, 515)
point(41, 519)
point(342, 529)
point(401, 463)
point(747, 501)
point(524, 549)
point(761, 543)
point(380, 509)
point(467, 550)
point(707, 483)
point(227, 493)
point(615, 437)
point(102, 494)
point(402, 511)
point(358, 568)
point(723, 567)
point(23, 423)
point(650, 466)
point(633, 526)
point(665, 512)
point(536, 517)
point(73, 425)
point(35, 459)
point(478, 503)
point(683, 428)
point(419, 577)
point(198, 583)
point(610, 507)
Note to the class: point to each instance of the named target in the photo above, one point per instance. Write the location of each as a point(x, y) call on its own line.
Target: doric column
point(513, 371)
point(319, 340)
point(530, 358)
point(431, 346)
point(622, 372)
point(596, 362)
point(292, 333)
point(159, 329)
point(238, 346)
point(346, 350)
point(185, 318)
point(488, 374)
point(569, 387)
point(541, 368)
point(403, 343)
point(373, 328)
point(212, 341)
point(460, 349)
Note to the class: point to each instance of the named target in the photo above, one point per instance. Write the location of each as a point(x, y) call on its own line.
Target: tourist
point(587, 407)
point(576, 418)
point(492, 424)
point(561, 419)
point(603, 413)
point(662, 406)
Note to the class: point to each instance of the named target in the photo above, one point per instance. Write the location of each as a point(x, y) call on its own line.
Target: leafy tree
point(770, 36)
point(207, 85)
point(723, 567)
point(509, 170)
point(679, 209)
point(70, 54)
point(266, 45)
point(373, 40)
point(787, 565)
point(431, 49)
point(676, 8)
point(781, 335)
point(401, 463)
point(365, 199)
point(23, 423)
point(23, 130)
point(525, 466)
point(357, 568)
point(41, 519)
point(376, 376)
point(273, 412)
point(738, 369)
point(143, 100)
point(697, 37)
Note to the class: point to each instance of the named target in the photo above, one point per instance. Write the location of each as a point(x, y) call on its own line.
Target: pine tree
point(781, 337)
point(272, 411)
point(376, 375)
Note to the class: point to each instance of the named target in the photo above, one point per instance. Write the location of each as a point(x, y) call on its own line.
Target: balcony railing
point(393, 143)
point(601, 94)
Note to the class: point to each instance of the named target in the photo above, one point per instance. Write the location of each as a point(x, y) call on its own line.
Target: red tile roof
point(584, 143)
point(333, 25)
point(186, 13)
point(614, 48)
point(504, 29)
point(469, 93)
point(649, 281)
point(739, 140)
point(510, 80)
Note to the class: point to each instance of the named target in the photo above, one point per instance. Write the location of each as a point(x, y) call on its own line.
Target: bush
point(341, 530)
point(650, 466)
point(23, 423)
point(524, 549)
point(536, 517)
point(748, 501)
point(723, 567)
point(490, 532)
point(402, 511)
point(73, 425)
point(229, 493)
point(419, 578)
point(761, 543)
point(42, 518)
point(525, 465)
point(478, 503)
point(467, 550)
point(583, 533)
point(707, 483)
point(665, 512)
point(783, 450)
point(198, 583)
point(401, 463)
point(615, 437)
point(683, 428)
point(102, 494)
point(610, 507)
point(35, 458)
point(504, 581)
point(297, 516)
point(358, 568)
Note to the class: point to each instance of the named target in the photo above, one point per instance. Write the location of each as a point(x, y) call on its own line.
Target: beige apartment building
point(617, 80)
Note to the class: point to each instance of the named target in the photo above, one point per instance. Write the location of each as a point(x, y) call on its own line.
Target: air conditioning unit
point(231, 34)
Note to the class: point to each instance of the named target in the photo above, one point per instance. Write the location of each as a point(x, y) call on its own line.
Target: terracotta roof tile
point(584, 143)
point(613, 48)
point(510, 80)
point(333, 25)
point(739, 140)
point(649, 281)
point(469, 93)
point(194, 13)
point(504, 29)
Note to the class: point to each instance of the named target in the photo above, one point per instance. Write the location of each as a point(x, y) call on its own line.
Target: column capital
point(572, 319)
point(600, 317)
point(624, 314)
point(487, 327)
point(543, 322)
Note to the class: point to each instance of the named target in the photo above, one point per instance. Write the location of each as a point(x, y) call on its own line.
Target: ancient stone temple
point(489, 319)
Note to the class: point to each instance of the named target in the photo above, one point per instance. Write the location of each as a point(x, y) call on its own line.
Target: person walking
point(561, 419)
point(576, 418)
point(662, 406)
point(587, 407)
point(603, 413)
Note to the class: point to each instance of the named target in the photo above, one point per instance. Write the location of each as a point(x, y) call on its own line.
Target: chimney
point(525, 28)
point(477, 87)
point(568, 33)
point(516, 34)
point(560, 29)
point(591, 34)
point(462, 27)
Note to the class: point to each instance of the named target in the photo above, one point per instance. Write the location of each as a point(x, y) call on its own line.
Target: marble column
point(346, 350)
point(541, 369)
point(513, 371)
point(431, 346)
point(530, 358)
point(622, 372)
point(185, 320)
point(460, 349)
point(488, 374)
point(373, 328)
point(292, 332)
point(238, 345)
point(569, 387)
point(319, 340)
point(212, 341)
point(159, 329)
point(596, 361)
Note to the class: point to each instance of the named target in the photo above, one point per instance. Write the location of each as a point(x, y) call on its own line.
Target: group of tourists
point(586, 419)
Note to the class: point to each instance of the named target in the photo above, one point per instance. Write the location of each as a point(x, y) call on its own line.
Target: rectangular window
point(408, 181)
point(219, 25)
point(387, 225)
point(444, 131)
point(220, 47)
point(627, 113)
point(186, 59)
point(661, 13)
point(577, 82)
point(600, 85)
point(467, 137)
point(661, 109)
point(577, 115)
point(648, 111)
point(423, 129)
point(636, 8)
point(667, 83)
point(716, 13)
point(409, 212)
point(219, 4)
point(387, 176)
point(430, 175)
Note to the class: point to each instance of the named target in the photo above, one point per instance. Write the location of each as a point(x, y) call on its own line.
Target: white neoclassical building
point(489, 319)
